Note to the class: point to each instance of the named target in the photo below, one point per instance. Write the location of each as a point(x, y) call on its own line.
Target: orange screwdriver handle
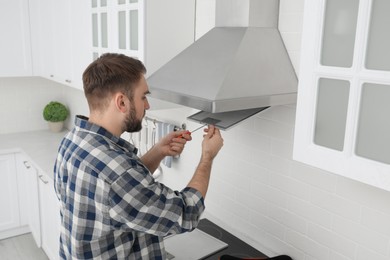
point(187, 132)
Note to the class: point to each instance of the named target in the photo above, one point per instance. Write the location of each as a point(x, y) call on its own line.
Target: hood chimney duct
point(240, 64)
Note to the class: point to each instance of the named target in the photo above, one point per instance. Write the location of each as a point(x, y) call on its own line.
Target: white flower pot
point(56, 126)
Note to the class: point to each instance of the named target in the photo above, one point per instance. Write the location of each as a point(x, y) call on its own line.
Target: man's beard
point(132, 123)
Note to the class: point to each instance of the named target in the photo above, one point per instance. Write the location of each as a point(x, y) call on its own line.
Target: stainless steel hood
point(240, 64)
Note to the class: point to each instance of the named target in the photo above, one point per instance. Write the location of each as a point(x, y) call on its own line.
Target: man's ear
point(121, 102)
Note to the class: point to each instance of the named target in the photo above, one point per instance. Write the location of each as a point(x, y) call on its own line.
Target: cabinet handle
point(51, 75)
point(26, 164)
point(42, 179)
point(68, 81)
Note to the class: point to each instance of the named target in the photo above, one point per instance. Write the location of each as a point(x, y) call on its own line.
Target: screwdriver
point(190, 132)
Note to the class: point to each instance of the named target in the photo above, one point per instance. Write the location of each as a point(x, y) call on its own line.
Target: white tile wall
point(257, 191)
point(282, 206)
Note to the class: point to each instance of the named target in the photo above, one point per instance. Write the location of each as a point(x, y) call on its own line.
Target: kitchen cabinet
point(50, 217)
point(15, 47)
point(168, 36)
point(342, 121)
point(81, 40)
point(118, 26)
point(13, 191)
point(31, 155)
point(135, 28)
point(30, 201)
point(61, 40)
point(42, 31)
point(9, 197)
point(30, 195)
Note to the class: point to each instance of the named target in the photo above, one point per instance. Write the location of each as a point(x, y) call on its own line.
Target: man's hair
point(108, 74)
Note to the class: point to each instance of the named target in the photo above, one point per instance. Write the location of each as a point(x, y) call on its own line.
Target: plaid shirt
point(111, 207)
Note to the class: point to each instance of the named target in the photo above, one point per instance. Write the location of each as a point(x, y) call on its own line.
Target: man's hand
point(170, 145)
point(212, 143)
point(173, 143)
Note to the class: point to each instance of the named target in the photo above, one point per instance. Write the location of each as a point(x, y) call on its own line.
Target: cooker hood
point(240, 64)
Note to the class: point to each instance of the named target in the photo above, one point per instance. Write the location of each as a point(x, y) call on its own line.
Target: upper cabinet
point(15, 47)
point(118, 26)
point(152, 31)
point(81, 35)
point(61, 39)
point(58, 39)
point(343, 121)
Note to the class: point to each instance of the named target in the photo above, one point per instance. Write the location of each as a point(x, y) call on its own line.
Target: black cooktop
point(237, 247)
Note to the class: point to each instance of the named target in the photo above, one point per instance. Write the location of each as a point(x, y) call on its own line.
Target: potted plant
point(55, 114)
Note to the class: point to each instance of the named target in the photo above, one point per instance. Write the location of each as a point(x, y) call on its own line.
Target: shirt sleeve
point(139, 203)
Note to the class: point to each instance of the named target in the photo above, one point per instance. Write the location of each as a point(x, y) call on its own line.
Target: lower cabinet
point(50, 217)
point(28, 203)
point(9, 196)
point(29, 195)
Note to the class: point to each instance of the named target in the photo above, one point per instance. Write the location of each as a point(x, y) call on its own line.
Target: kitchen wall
point(257, 191)
point(277, 204)
point(22, 100)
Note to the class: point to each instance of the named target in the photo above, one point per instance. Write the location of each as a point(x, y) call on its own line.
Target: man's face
point(138, 106)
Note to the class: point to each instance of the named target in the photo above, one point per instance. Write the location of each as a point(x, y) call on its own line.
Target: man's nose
point(147, 105)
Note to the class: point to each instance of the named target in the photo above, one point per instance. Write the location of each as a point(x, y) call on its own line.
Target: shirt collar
point(83, 123)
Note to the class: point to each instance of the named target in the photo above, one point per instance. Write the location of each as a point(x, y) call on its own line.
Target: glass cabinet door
point(122, 30)
point(373, 133)
point(133, 28)
point(331, 113)
point(339, 31)
point(378, 43)
point(99, 30)
point(99, 27)
point(343, 110)
point(117, 26)
point(373, 138)
point(128, 30)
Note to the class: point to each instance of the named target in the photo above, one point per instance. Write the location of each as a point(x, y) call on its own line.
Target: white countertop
point(40, 146)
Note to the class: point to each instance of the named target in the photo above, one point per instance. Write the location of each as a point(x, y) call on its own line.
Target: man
point(111, 207)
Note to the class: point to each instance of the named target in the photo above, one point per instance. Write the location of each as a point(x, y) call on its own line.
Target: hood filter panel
point(224, 120)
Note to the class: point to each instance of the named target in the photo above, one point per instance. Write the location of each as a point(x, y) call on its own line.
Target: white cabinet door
point(29, 195)
point(52, 34)
point(42, 33)
point(15, 48)
point(342, 122)
point(61, 37)
point(50, 217)
point(43, 26)
point(81, 43)
point(9, 199)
